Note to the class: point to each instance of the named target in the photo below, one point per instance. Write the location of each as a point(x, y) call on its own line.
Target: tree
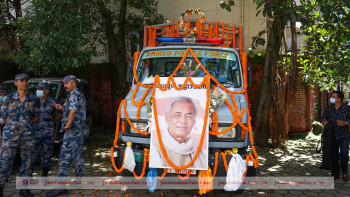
point(57, 35)
point(325, 60)
point(278, 82)
point(63, 34)
point(131, 16)
point(10, 12)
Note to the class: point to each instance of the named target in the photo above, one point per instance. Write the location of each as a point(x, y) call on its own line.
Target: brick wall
point(102, 93)
point(300, 115)
point(300, 118)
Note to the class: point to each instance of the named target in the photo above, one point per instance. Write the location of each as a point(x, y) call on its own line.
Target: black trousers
point(343, 156)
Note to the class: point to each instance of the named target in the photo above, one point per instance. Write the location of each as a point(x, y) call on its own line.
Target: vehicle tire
point(88, 126)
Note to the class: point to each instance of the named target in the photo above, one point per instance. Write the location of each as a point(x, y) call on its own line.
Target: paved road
point(298, 159)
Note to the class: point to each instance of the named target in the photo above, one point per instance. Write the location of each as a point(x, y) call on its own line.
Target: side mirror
point(129, 71)
point(250, 73)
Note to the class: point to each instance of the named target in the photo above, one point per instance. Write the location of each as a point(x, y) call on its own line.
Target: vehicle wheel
point(88, 126)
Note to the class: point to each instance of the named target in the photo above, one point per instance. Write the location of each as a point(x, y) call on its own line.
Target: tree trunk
point(122, 64)
point(263, 99)
point(116, 45)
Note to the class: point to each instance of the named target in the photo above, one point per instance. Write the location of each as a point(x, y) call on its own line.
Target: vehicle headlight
point(140, 126)
point(229, 134)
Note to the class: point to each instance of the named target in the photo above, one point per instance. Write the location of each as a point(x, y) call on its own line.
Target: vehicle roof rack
point(231, 34)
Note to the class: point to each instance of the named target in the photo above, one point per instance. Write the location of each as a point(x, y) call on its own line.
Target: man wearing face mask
point(73, 123)
point(44, 136)
point(338, 115)
point(20, 110)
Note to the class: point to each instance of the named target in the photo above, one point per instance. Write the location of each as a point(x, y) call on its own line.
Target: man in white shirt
point(178, 144)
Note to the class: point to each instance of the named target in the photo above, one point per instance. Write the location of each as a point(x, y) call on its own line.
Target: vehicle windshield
point(222, 65)
point(10, 88)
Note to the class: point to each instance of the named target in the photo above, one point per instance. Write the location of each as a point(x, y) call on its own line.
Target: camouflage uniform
point(72, 148)
point(44, 133)
point(1, 120)
point(18, 133)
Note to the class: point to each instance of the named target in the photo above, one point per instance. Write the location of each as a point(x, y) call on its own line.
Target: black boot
point(25, 193)
point(45, 172)
point(57, 192)
point(1, 190)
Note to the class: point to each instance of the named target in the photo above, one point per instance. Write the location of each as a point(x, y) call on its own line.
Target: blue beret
point(68, 78)
point(44, 85)
point(21, 76)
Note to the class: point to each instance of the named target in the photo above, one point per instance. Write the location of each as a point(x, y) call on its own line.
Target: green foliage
point(58, 35)
point(138, 13)
point(284, 10)
point(256, 58)
point(226, 4)
point(147, 13)
point(325, 60)
point(258, 40)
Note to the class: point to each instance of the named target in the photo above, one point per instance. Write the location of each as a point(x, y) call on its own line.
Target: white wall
point(252, 24)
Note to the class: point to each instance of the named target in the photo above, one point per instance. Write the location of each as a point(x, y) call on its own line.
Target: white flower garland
point(191, 11)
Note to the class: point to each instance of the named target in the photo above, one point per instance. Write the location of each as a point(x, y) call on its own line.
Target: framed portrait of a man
point(181, 117)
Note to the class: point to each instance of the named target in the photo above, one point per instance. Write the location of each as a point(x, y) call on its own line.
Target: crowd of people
point(27, 123)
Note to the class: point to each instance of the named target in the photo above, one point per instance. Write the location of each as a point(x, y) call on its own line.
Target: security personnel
point(2, 94)
point(20, 111)
point(73, 123)
point(44, 136)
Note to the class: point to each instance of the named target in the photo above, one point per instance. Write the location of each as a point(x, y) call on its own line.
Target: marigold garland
point(216, 163)
point(113, 162)
point(145, 157)
point(199, 28)
point(130, 123)
point(170, 79)
point(141, 102)
point(214, 132)
point(185, 177)
point(163, 175)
